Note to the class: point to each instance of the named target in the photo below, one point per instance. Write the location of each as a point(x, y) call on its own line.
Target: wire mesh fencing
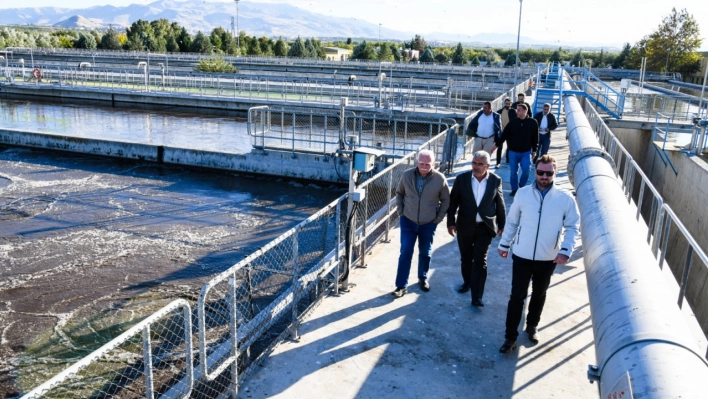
point(152, 359)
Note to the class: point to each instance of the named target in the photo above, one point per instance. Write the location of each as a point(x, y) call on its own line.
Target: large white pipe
point(639, 330)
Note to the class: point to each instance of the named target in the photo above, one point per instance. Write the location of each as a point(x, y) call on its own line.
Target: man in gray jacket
point(422, 197)
point(540, 216)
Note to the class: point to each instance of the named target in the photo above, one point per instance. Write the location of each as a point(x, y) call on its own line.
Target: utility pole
point(238, 33)
point(518, 37)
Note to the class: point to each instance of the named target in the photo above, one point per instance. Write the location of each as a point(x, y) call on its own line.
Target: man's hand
point(546, 130)
point(452, 230)
point(533, 155)
point(560, 259)
point(500, 232)
point(503, 254)
point(493, 149)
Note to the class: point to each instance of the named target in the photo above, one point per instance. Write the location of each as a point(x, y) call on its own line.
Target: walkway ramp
point(365, 344)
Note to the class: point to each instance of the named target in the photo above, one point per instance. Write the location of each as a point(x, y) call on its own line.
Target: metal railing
point(647, 105)
point(399, 96)
point(684, 251)
point(273, 60)
point(322, 132)
point(245, 311)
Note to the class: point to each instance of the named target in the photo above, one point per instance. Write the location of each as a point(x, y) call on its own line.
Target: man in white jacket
point(541, 231)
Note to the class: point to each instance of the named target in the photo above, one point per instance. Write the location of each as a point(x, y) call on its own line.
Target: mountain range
point(259, 19)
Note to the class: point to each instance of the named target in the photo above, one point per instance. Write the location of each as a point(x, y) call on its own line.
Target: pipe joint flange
point(584, 153)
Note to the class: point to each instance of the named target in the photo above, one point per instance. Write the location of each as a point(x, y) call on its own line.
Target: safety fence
point(322, 132)
point(244, 312)
point(687, 260)
point(387, 95)
point(647, 105)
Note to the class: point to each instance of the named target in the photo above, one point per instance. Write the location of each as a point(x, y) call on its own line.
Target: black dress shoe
point(513, 193)
point(508, 347)
point(424, 285)
point(399, 292)
point(533, 334)
point(477, 303)
point(463, 288)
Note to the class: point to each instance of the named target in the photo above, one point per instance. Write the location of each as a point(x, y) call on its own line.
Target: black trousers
point(474, 246)
point(525, 271)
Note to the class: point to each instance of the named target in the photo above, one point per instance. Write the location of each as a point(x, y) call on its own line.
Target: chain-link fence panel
point(152, 359)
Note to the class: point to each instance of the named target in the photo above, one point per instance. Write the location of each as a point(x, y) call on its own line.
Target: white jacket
point(535, 224)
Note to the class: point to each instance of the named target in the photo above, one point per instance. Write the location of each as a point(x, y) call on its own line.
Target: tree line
point(672, 46)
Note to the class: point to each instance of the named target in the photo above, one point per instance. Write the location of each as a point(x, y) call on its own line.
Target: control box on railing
point(365, 158)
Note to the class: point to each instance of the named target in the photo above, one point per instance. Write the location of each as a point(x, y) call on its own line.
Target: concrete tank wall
point(301, 166)
point(686, 194)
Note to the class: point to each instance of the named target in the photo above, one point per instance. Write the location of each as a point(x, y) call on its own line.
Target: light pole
point(379, 33)
point(238, 33)
point(668, 53)
point(518, 37)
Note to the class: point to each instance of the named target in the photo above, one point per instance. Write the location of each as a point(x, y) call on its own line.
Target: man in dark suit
point(546, 124)
point(482, 214)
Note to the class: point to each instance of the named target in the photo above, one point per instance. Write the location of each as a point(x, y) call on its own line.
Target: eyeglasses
point(548, 173)
point(479, 164)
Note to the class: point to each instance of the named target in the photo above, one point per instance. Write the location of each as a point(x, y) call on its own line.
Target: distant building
point(413, 53)
point(337, 53)
point(697, 77)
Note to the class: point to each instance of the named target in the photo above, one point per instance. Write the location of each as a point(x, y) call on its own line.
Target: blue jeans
point(410, 232)
point(514, 159)
point(544, 143)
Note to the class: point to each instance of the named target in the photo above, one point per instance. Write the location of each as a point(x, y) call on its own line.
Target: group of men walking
point(540, 228)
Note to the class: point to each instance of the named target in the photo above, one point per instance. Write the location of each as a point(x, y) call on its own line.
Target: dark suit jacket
point(492, 208)
point(552, 123)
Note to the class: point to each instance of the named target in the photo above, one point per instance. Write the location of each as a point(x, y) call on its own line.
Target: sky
point(602, 21)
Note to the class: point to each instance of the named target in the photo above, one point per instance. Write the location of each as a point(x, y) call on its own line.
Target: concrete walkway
point(365, 344)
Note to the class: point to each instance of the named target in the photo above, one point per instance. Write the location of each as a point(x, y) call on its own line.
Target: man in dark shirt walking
point(521, 136)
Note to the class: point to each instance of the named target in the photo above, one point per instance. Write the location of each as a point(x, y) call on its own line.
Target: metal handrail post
point(296, 285)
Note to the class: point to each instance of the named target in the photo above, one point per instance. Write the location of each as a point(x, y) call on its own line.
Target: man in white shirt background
point(485, 128)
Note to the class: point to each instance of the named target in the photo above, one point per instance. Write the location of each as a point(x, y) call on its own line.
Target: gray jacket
point(429, 207)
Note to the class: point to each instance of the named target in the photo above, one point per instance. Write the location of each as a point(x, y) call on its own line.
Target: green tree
point(254, 47)
point(364, 51)
point(427, 56)
point(395, 53)
point(215, 39)
point(184, 40)
point(161, 28)
point(297, 50)
point(578, 59)
point(556, 56)
point(281, 48)
point(385, 53)
point(200, 44)
point(418, 43)
point(140, 35)
point(349, 40)
point(458, 57)
point(110, 41)
point(85, 40)
point(674, 42)
point(600, 61)
point(442, 58)
point(172, 45)
point(623, 57)
point(510, 60)
point(475, 60)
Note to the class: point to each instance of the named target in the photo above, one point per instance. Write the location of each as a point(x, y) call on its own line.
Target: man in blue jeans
point(422, 198)
point(521, 136)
